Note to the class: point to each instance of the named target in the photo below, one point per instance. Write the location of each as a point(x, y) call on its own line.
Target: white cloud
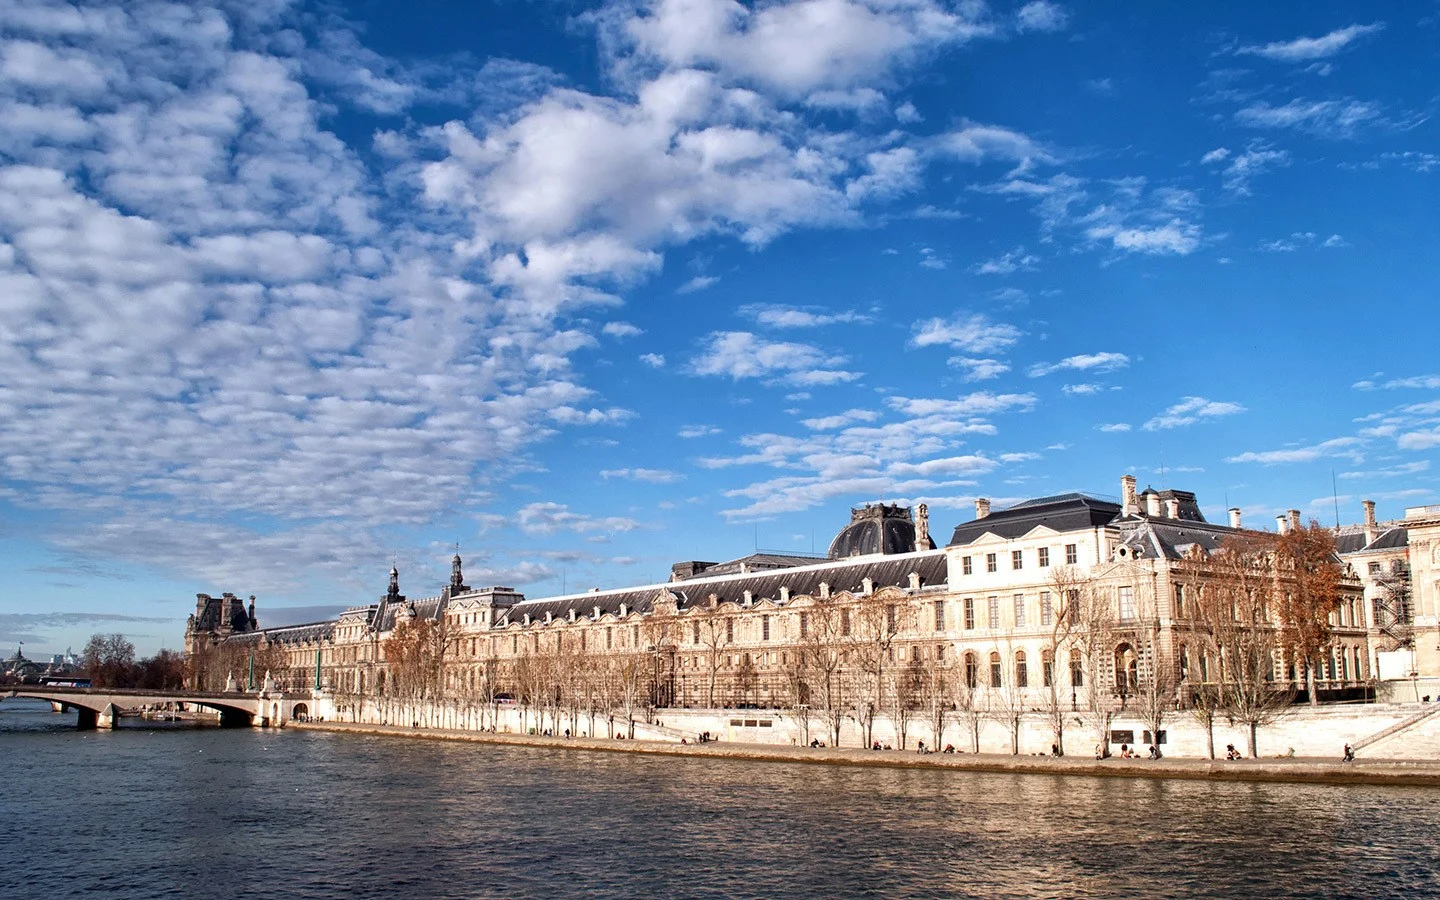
point(1325, 118)
point(978, 403)
point(1340, 447)
point(977, 143)
point(1176, 236)
point(698, 283)
point(698, 431)
point(1082, 389)
point(973, 333)
point(1191, 410)
point(796, 48)
point(549, 518)
point(653, 360)
point(776, 315)
point(1425, 382)
point(621, 330)
point(1007, 263)
point(1302, 239)
point(848, 417)
point(1107, 361)
point(1304, 49)
point(740, 354)
point(1114, 427)
point(978, 369)
point(652, 476)
point(1395, 471)
point(907, 114)
point(1042, 15)
point(1244, 166)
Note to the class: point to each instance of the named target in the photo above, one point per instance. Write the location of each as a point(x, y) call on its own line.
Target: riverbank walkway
point(1294, 770)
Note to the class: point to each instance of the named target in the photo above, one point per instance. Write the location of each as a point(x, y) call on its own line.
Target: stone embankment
point(1297, 770)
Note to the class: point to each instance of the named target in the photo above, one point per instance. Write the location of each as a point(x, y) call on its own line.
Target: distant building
point(886, 603)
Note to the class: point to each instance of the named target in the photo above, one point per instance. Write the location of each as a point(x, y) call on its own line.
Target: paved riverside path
point(1295, 770)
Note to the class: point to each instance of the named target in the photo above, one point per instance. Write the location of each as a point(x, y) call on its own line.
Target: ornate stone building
point(885, 622)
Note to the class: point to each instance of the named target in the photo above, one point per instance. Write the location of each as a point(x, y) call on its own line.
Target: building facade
point(1073, 603)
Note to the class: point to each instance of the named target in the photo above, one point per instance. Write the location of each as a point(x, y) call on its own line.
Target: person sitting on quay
point(949, 748)
point(1154, 752)
point(1349, 755)
point(1125, 752)
point(919, 746)
point(1231, 752)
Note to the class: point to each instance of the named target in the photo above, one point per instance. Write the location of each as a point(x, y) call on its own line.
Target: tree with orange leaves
point(1310, 575)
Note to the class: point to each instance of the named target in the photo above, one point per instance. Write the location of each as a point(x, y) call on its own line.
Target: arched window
point(972, 666)
point(1204, 666)
point(1077, 670)
point(1022, 674)
point(1047, 667)
point(997, 678)
point(1184, 658)
point(1344, 665)
point(1127, 670)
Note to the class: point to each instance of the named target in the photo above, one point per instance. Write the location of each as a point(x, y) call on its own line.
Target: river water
point(142, 813)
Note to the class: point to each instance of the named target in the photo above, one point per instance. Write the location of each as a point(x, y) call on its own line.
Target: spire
point(457, 579)
point(394, 592)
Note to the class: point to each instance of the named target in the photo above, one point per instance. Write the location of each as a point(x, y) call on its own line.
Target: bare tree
point(824, 637)
point(936, 692)
point(1235, 610)
point(1091, 629)
point(880, 617)
point(715, 635)
point(1311, 572)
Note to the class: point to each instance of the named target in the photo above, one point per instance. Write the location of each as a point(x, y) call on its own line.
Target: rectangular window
point(990, 565)
point(729, 631)
point(1127, 603)
point(969, 613)
point(804, 624)
point(696, 632)
point(966, 567)
point(1047, 609)
point(609, 637)
point(1179, 601)
point(939, 615)
point(1374, 567)
point(845, 622)
point(1044, 557)
point(1047, 664)
point(995, 677)
point(1019, 610)
point(994, 612)
point(1017, 559)
point(1072, 554)
point(890, 618)
point(764, 628)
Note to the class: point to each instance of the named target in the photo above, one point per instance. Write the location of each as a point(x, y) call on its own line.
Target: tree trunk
point(1310, 681)
point(1254, 751)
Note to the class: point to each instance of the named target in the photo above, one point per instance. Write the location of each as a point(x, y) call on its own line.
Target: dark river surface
point(144, 813)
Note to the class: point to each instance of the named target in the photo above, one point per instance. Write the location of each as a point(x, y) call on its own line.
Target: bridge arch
point(92, 704)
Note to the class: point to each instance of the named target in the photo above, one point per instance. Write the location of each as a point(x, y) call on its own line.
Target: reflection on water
point(204, 812)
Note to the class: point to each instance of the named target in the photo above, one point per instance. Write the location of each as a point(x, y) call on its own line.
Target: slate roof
point(1391, 536)
point(841, 575)
point(1061, 512)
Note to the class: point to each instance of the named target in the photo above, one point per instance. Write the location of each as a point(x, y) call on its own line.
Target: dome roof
point(877, 529)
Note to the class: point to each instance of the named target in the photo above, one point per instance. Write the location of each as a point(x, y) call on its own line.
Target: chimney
point(784, 594)
point(1152, 504)
point(596, 614)
point(1280, 524)
point(1294, 520)
point(1371, 532)
point(1234, 517)
point(1172, 508)
point(570, 614)
point(982, 507)
point(1128, 506)
point(867, 585)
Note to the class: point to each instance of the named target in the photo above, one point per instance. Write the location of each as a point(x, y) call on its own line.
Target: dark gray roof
point(876, 529)
point(841, 575)
point(1390, 536)
point(1062, 512)
point(758, 562)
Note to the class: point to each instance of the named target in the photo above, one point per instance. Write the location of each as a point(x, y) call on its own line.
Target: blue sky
point(290, 291)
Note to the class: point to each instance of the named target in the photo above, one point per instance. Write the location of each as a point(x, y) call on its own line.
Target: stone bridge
point(103, 707)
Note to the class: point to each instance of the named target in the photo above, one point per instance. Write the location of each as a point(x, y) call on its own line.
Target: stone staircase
point(1415, 737)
